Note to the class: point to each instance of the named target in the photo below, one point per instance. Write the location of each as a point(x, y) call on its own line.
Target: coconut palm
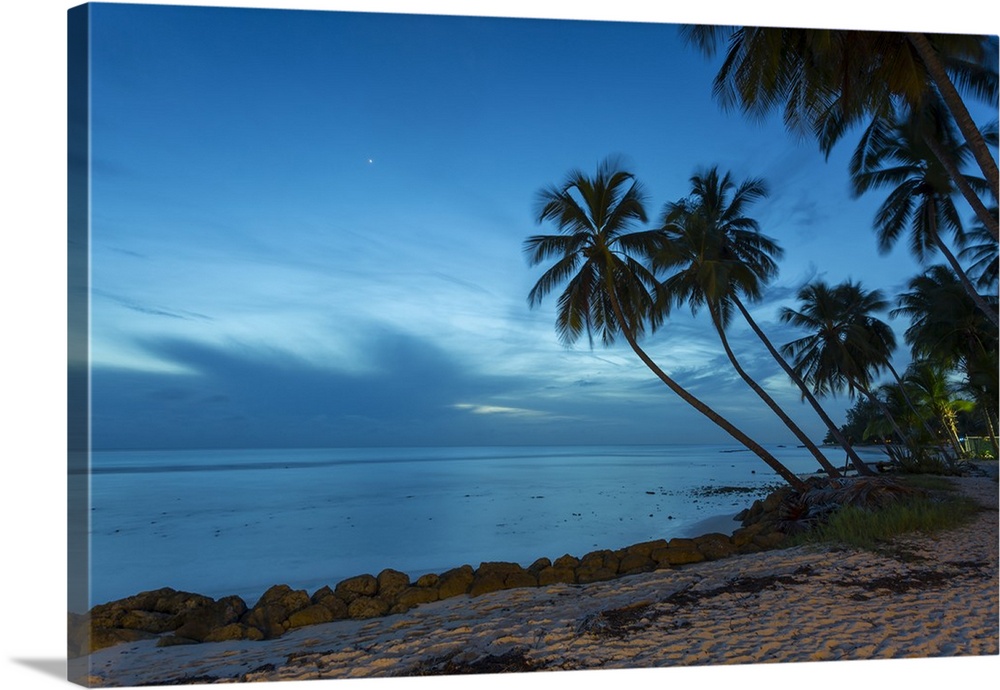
point(718, 254)
point(847, 346)
point(929, 384)
point(607, 286)
point(945, 324)
point(947, 327)
point(828, 81)
point(981, 253)
point(893, 154)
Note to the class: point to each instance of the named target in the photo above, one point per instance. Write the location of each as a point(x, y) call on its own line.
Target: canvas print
point(418, 345)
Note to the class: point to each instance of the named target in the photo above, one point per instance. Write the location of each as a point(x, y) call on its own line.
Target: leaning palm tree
point(847, 346)
point(981, 253)
point(719, 254)
point(608, 289)
point(892, 154)
point(934, 392)
point(947, 327)
point(945, 324)
point(827, 81)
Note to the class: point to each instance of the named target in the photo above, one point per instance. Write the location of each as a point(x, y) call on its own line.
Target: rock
point(646, 548)
point(234, 631)
point(358, 586)
point(745, 535)
point(486, 583)
point(198, 624)
point(455, 582)
point(635, 563)
point(677, 555)
point(391, 583)
point(680, 543)
point(603, 558)
point(586, 574)
point(494, 576)
point(554, 574)
point(774, 499)
point(566, 561)
point(270, 614)
point(150, 621)
point(335, 605)
point(715, 546)
point(107, 637)
point(311, 615)
point(367, 607)
point(321, 593)
point(539, 565)
point(156, 607)
point(524, 578)
point(411, 596)
point(769, 540)
point(428, 580)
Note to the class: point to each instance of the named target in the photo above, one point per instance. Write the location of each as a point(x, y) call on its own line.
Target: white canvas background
point(33, 340)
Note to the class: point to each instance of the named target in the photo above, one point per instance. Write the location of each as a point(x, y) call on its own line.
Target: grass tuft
point(871, 529)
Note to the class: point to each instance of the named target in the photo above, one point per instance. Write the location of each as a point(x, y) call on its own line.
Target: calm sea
point(222, 522)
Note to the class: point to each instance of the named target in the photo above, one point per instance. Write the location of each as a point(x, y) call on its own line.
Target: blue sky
point(307, 229)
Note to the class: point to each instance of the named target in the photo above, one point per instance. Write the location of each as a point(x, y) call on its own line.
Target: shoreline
point(783, 605)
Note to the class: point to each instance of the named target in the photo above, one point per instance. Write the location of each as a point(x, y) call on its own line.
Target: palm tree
point(608, 288)
point(981, 252)
point(947, 327)
point(945, 324)
point(719, 254)
point(847, 347)
point(893, 154)
point(827, 81)
point(929, 383)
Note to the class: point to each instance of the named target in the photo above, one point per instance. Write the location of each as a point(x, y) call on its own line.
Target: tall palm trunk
point(769, 401)
point(964, 279)
point(948, 422)
point(948, 163)
point(937, 72)
point(834, 430)
point(697, 404)
point(991, 430)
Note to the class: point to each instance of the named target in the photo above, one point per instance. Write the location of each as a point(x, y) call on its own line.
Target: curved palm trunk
point(948, 163)
point(852, 455)
point(769, 401)
point(956, 105)
point(948, 422)
point(909, 401)
point(888, 415)
point(964, 279)
point(697, 404)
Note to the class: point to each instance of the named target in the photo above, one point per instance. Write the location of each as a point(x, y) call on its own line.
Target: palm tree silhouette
point(825, 82)
point(608, 287)
point(893, 154)
point(947, 327)
point(847, 347)
point(718, 254)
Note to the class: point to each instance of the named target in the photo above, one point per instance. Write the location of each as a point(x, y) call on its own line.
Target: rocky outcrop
point(185, 618)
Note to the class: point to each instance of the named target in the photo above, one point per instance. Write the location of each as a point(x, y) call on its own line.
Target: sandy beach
point(922, 597)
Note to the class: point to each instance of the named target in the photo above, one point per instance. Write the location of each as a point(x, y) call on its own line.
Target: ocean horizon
point(222, 522)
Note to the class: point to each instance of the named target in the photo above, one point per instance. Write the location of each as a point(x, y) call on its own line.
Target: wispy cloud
point(497, 409)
